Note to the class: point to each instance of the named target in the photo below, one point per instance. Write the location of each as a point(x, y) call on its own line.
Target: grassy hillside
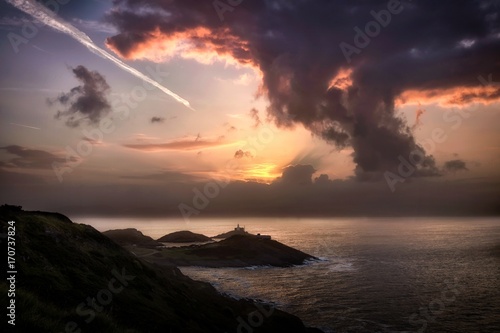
point(71, 278)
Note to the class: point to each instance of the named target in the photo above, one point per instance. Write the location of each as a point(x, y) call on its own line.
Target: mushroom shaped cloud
point(346, 98)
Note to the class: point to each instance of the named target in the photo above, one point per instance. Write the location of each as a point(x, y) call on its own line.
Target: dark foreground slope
point(71, 278)
point(236, 251)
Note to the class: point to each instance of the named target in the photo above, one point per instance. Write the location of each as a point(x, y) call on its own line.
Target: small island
point(238, 248)
point(236, 251)
point(184, 237)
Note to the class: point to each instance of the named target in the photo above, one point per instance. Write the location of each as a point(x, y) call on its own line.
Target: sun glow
point(263, 172)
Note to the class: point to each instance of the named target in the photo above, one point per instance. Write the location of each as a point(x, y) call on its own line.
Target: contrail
point(46, 16)
point(32, 127)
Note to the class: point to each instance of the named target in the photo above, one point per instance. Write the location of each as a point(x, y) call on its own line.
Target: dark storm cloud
point(157, 120)
point(322, 180)
point(455, 166)
point(427, 45)
point(296, 175)
point(30, 158)
point(87, 102)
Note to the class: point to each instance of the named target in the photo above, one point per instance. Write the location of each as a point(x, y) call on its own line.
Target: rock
point(236, 251)
point(184, 237)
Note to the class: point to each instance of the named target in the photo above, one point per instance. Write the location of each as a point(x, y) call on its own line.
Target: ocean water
point(374, 275)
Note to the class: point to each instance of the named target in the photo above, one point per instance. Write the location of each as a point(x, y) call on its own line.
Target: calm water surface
point(375, 275)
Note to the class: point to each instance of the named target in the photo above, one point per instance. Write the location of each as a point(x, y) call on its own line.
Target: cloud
point(418, 115)
point(95, 26)
point(242, 80)
point(52, 20)
point(86, 103)
point(296, 175)
point(451, 97)
point(323, 180)
point(180, 145)
point(93, 141)
point(168, 176)
point(254, 114)
point(240, 154)
point(157, 120)
point(30, 158)
point(305, 74)
point(455, 166)
point(11, 22)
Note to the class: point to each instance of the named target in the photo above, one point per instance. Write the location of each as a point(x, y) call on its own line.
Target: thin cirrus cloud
point(166, 176)
point(358, 110)
point(180, 145)
point(27, 158)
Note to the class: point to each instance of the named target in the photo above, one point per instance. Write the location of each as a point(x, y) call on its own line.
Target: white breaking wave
point(46, 16)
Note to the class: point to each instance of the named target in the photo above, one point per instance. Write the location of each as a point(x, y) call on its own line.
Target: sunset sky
point(296, 108)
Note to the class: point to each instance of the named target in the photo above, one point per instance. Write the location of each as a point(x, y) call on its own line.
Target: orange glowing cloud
point(451, 97)
point(180, 145)
point(201, 44)
point(342, 80)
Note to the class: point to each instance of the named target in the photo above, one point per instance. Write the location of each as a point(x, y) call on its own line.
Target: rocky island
point(236, 251)
point(238, 248)
point(184, 237)
point(237, 231)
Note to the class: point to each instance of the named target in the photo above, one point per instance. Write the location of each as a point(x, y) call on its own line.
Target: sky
point(250, 108)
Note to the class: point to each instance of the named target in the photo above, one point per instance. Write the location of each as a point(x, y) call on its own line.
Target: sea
point(371, 275)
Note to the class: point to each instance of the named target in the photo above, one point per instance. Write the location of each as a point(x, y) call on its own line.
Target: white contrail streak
point(32, 127)
point(46, 16)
